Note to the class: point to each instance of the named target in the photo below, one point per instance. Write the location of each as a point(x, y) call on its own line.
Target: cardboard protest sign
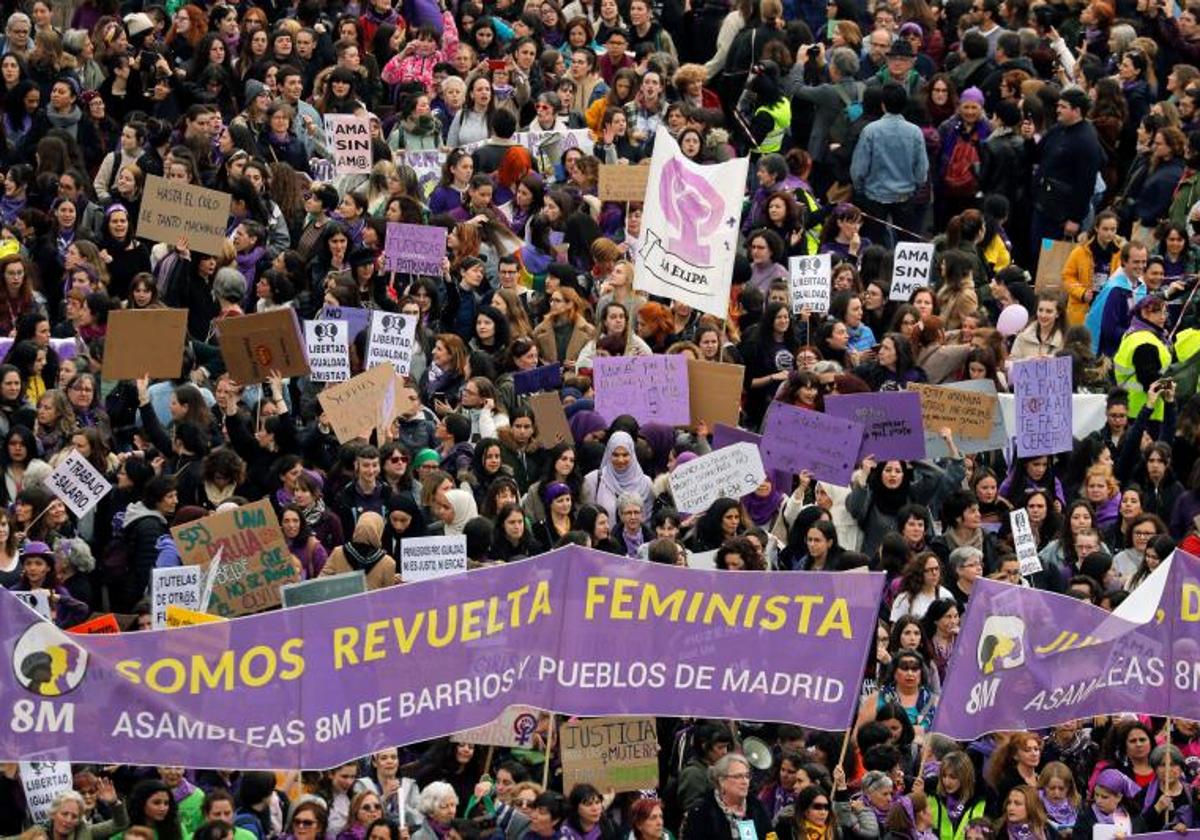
point(997, 437)
point(414, 249)
point(179, 585)
point(513, 728)
point(891, 421)
point(348, 138)
point(968, 415)
point(255, 560)
point(542, 378)
point(811, 282)
point(796, 439)
point(623, 182)
point(1043, 395)
point(731, 472)
point(714, 392)
point(42, 781)
point(618, 753)
point(1024, 543)
point(254, 345)
point(327, 344)
point(392, 340)
point(910, 269)
point(183, 617)
point(171, 209)
point(144, 342)
point(78, 484)
point(1052, 258)
point(353, 407)
point(653, 389)
point(426, 558)
point(323, 589)
point(357, 319)
point(551, 419)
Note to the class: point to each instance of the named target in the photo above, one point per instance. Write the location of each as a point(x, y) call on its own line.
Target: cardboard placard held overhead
point(620, 753)
point(623, 182)
point(714, 392)
point(144, 341)
point(254, 345)
point(550, 417)
point(353, 407)
point(171, 209)
point(1052, 257)
point(965, 413)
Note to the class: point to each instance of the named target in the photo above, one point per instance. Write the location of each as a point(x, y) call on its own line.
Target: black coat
point(707, 821)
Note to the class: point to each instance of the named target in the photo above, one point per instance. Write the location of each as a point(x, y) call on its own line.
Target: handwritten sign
point(618, 753)
point(513, 728)
point(171, 209)
point(348, 138)
point(967, 414)
point(543, 378)
point(910, 268)
point(997, 437)
point(254, 345)
point(892, 426)
point(322, 589)
point(653, 389)
point(392, 339)
point(327, 344)
point(1044, 408)
point(811, 282)
point(731, 472)
point(144, 342)
point(178, 585)
point(353, 407)
point(426, 558)
point(623, 182)
point(414, 249)
point(78, 484)
point(796, 439)
point(1024, 543)
point(42, 781)
point(255, 560)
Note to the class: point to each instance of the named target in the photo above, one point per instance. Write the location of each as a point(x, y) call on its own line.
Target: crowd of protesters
point(1003, 132)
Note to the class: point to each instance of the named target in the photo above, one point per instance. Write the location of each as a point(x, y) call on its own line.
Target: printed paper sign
point(967, 414)
point(327, 344)
point(796, 439)
point(38, 600)
point(178, 585)
point(1024, 543)
point(78, 484)
point(427, 558)
point(171, 209)
point(891, 419)
point(731, 472)
point(910, 268)
point(811, 282)
point(617, 753)
point(1044, 407)
point(392, 339)
point(42, 781)
point(414, 249)
point(653, 389)
point(348, 138)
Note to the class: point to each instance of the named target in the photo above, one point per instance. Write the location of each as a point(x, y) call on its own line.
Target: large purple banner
point(1028, 659)
point(574, 631)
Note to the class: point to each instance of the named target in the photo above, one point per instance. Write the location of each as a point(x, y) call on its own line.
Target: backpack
point(960, 180)
point(852, 110)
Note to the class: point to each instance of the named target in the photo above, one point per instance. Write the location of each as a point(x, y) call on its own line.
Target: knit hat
point(137, 24)
point(972, 94)
point(554, 490)
point(88, 95)
point(425, 456)
point(912, 28)
point(254, 88)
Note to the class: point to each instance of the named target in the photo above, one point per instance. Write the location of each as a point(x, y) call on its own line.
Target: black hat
point(901, 49)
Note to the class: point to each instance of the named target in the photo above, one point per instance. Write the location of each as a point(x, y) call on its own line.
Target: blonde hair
point(1102, 471)
point(1058, 770)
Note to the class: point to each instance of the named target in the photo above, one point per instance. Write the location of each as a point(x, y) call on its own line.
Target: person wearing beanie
point(956, 184)
point(254, 116)
point(425, 462)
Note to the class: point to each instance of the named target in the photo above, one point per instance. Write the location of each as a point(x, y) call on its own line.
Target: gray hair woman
point(633, 532)
point(67, 815)
point(438, 803)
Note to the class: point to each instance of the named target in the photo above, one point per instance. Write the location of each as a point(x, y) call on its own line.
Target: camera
point(814, 51)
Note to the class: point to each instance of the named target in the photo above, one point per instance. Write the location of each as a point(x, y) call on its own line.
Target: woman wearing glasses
point(308, 820)
point(365, 809)
point(730, 804)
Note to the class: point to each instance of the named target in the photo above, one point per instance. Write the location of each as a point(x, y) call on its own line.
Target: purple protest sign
point(797, 439)
point(574, 631)
point(356, 319)
point(414, 249)
point(892, 425)
point(544, 378)
point(653, 389)
point(1042, 388)
point(1027, 659)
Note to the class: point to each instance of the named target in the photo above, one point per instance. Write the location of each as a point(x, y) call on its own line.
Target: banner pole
point(487, 762)
point(1167, 813)
point(549, 752)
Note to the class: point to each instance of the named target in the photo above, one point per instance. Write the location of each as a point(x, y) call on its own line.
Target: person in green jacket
point(66, 816)
point(955, 802)
point(187, 796)
point(218, 806)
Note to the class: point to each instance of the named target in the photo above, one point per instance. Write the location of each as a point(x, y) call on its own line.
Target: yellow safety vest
point(781, 114)
point(1123, 367)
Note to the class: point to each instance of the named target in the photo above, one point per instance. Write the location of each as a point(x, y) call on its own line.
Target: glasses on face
point(304, 823)
point(399, 459)
point(819, 806)
point(370, 806)
point(740, 777)
point(82, 389)
point(524, 803)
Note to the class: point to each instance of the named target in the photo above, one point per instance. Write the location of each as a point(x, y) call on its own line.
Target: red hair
point(515, 165)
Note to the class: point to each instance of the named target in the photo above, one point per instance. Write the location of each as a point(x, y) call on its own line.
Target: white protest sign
point(729, 472)
point(349, 141)
point(811, 282)
point(44, 780)
point(910, 268)
point(426, 558)
point(1024, 543)
point(78, 484)
point(327, 344)
point(178, 585)
point(38, 600)
point(391, 339)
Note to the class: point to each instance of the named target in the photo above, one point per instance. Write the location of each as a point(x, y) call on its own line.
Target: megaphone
point(757, 753)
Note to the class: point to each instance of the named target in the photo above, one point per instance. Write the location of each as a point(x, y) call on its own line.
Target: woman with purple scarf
point(1112, 804)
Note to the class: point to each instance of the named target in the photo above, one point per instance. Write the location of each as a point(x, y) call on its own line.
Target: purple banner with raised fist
point(1028, 659)
point(574, 631)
